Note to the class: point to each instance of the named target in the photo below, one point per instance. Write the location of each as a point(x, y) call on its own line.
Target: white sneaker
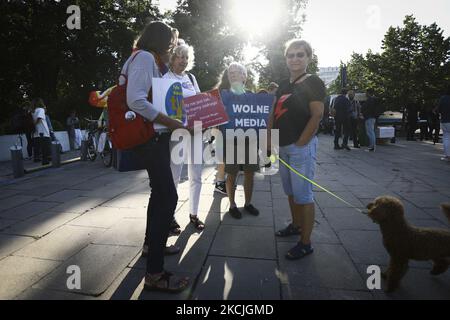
point(445, 159)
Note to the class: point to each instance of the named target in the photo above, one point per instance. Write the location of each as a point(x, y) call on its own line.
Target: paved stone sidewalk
point(86, 215)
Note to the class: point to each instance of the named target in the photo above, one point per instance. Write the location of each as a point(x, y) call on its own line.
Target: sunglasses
point(300, 55)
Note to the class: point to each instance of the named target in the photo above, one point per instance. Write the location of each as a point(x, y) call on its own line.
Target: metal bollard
point(56, 155)
point(83, 150)
point(17, 161)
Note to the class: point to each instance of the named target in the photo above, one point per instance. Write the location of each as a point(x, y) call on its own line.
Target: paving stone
point(348, 219)
point(60, 244)
point(8, 193)
point(417, 284)
point(99, 266)
point(62, 196)
point(5, 223)
point(129, 285)
point(329, 267)
point(265, 218)
point(366, 247)
point(100, 217)
point(79, 205)
point(143, 188)
point(40, 225)
point(314, 293)
point(426, 199)
point(19, 273)
point(436, 214)
point(28, 210)
point(371, 192)
point(10, 244)
point(322, 232)
point(126, 232)
point(15, 201)
point(44, 190)
point(39, 294)
point(194, 250)
point(324, 200)
point(245, 242)
point(331, 185)
point(238, 279)
point(128, 200)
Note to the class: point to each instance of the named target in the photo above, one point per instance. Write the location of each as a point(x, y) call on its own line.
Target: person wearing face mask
point(297, 114)
point(181, 61)
point(233, 80)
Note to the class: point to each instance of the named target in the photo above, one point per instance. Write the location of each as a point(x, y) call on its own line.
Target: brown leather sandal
point(198, 224)
point(166, 282)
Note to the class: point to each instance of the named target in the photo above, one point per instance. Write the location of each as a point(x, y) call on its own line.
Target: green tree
point(44, 58)
point(413, 66)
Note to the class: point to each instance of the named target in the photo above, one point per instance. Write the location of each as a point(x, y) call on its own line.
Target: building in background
point(328, 75)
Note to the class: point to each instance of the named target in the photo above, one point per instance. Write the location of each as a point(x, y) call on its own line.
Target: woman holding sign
point(182, 60)
point(148, 62)
point(297, 114)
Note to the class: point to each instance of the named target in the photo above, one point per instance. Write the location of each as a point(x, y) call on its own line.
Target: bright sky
point(335, 29)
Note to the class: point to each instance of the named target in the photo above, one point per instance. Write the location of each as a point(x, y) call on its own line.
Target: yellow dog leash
point(274, 158)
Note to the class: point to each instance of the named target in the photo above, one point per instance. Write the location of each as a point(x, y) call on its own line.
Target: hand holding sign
point(207, 108)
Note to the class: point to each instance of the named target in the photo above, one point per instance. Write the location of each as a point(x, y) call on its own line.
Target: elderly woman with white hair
point(181, 61)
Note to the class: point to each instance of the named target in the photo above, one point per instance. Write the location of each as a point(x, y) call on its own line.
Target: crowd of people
point(297, 113)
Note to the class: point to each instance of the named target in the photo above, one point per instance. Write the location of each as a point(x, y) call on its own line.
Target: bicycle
point(98, 142)
point(105, 147)
point(89, 136)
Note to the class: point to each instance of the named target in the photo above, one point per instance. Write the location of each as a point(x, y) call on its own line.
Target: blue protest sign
point(247, 111)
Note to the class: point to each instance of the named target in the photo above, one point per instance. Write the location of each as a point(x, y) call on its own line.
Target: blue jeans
point(370, 131)
point(303, 159)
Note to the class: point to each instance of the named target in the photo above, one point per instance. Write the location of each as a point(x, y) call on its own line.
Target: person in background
point(297, 115)
point(220, 184)
point(370, 113)
point(355, 108)
point(443, 108)
point(73, 123)
point(41, 134)
point(49, 124)
point(29, 129)
point(342, 110)
point(272, 88)
point(411, 121)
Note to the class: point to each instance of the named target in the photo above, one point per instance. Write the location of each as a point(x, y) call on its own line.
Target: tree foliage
point(43, 58)
point(413, 66)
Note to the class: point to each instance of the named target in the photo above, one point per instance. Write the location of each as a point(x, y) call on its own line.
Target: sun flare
point(256, 17)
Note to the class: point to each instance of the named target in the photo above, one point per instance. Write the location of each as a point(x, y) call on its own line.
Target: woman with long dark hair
point(148, 61)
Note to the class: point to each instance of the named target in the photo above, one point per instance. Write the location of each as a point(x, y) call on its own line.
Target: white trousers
point(446, 137)
point(195, 152)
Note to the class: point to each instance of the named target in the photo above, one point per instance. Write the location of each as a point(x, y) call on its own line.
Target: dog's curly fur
point(404, 242)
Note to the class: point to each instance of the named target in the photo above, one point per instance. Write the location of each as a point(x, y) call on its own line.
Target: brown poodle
point(404, 242)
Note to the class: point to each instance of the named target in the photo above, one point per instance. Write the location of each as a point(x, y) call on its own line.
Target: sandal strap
point(289, 230)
